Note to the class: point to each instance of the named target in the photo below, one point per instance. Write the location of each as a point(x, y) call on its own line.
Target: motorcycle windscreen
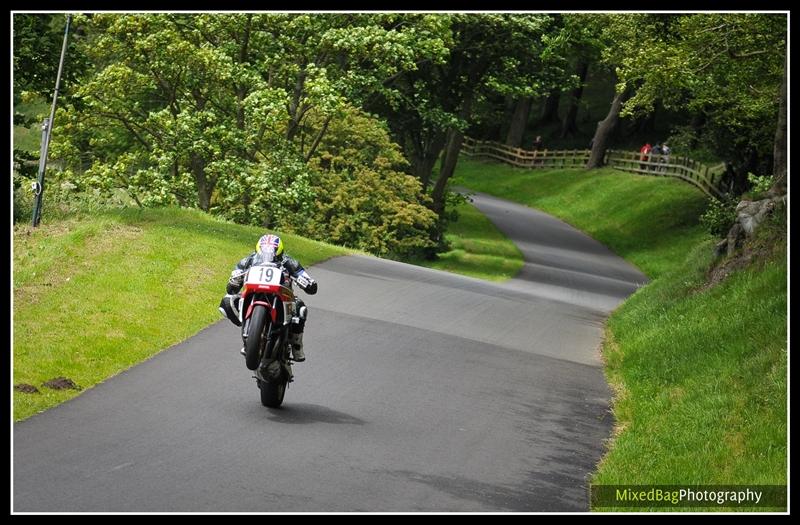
point(267, 256)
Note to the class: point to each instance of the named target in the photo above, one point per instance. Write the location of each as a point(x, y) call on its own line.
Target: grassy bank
point(478, 248)
point(95, 295)
point(700, 377)
point(650, 221)
point(698, 371)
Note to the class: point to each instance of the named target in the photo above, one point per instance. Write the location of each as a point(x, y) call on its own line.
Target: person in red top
point(645, 153)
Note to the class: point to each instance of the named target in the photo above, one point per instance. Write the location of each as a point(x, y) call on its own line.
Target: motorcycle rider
point(270, 248)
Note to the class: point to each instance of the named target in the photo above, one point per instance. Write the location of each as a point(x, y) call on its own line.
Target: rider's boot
point(229, 307)
point(296, 340)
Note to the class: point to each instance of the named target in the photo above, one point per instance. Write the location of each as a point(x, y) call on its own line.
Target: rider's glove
point(236, 280)
point(308, 284)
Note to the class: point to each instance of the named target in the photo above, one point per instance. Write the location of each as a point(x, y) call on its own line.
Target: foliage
point(724, 69)
point(759, 185)
point(213, 110)
point(489, 55)
point(719, 217)
point(38, 39)
point(364, 199)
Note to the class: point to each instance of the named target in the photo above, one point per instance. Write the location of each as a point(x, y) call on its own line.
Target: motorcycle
point(267, 311)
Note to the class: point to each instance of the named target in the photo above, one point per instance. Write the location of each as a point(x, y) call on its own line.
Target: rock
point(719, 249)
point(749, 214)
point(733, 238)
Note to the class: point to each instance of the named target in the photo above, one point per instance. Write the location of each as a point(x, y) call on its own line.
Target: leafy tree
point(364, 198)
point(208, 105)
point(725, 70)
point(627, 42)
point(489, 54)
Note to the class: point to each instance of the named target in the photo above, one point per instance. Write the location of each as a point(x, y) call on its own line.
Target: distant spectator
point(655, 154)
point(665, 151)
point(537, 144)
point(644, 154)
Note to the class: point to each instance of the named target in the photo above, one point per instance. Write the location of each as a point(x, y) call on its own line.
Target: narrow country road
point(423, 392)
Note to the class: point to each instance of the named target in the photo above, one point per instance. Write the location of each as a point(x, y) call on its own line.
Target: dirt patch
point(754, 251)
point(61, 383)
point(26, 388)
point(720, 272)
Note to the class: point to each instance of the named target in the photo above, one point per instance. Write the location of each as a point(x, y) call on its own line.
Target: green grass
point(479, 249)
point(650, 221)
point(700, 376)
point(699, 372)
point(96, 295)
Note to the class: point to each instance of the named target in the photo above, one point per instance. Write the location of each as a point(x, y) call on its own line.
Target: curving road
point(423, 392)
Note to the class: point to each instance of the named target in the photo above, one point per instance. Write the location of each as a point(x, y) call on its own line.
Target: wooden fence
point(522, 158)
point(706, 178)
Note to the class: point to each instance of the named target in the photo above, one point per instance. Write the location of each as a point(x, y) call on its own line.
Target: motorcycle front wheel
point(252, 345)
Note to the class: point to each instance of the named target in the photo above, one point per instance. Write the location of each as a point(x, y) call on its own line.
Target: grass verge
point(699, 371)
point(95, 295)
point(479, 249)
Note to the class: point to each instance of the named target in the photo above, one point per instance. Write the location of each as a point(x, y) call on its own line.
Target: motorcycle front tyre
point(258, 322)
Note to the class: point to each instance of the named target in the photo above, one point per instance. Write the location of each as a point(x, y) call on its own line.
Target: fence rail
point(706, 178)
point(525, 158)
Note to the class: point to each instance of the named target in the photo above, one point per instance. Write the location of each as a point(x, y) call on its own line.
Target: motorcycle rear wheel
point(272, 392)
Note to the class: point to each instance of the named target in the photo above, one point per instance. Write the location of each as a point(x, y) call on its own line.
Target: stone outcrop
point(749, 215)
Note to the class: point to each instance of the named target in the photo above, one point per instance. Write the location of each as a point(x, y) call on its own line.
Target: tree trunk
point(454, 141)
point(779, 149)
point(604, 130)
point(448, 167)
point(519, 121)
point(294, 107)
point(204, 186)
point(698, 122)
point(569, 124)
point(550, 109)
point(510, 106)
point(423, 154)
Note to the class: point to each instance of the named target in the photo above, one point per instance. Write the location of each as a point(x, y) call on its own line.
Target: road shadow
point(304, 413)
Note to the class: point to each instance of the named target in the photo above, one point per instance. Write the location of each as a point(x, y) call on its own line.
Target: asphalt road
point(423, 391)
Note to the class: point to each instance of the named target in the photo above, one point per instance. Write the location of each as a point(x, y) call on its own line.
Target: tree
point(604, 130)
point(181, 104)
point(37, 48)
point(726, 69)
point(632, 44)
point(429, 109)
point(780, 171)
point(364, 199)
point(582, 34)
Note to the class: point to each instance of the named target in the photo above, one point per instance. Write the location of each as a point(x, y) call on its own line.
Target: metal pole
point(47, 127)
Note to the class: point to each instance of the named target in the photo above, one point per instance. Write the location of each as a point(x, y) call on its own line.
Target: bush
point(364, 199)
point(759, 186)
point(719, 217)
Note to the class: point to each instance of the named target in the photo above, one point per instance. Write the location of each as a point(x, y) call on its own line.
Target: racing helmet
point(269, 247)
